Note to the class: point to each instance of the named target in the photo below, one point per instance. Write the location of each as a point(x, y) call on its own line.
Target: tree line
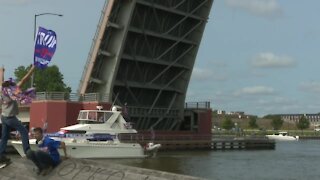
point(49, 79)
point(276, 122)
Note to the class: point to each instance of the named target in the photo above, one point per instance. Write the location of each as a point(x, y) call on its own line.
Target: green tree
point(276, 122)
point(49, 79)
point(19, 73)
point(253, 122)
point(227, 123)
point(303, 123)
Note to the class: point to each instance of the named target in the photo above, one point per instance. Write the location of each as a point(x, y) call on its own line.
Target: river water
point(290, 160)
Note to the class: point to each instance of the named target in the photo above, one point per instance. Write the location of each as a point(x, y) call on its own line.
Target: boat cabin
point(94, 116)
point(282, 133)
point(111, 119)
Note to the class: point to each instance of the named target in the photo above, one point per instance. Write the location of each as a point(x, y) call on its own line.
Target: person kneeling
point(47, 157)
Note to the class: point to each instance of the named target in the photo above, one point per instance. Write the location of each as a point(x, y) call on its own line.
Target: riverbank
point(256, 132)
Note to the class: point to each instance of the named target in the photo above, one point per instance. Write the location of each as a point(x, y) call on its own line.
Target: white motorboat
point(283, 136)
point(96, 136)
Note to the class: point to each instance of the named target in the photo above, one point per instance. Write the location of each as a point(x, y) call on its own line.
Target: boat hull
point(282, 138)
point(93, 149)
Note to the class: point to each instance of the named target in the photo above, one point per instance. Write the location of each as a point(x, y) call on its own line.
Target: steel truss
point(145, 58)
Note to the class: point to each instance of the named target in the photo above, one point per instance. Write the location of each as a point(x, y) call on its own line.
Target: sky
point(256, 56)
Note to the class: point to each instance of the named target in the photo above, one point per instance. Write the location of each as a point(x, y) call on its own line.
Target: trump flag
point(45, 47)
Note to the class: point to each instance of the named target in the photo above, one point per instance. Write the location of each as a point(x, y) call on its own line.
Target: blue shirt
point(51, 147)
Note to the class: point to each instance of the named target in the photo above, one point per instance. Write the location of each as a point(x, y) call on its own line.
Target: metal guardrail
point(92, 45)
point(155, 111)
point(75, 97)
point(71, 96)
point(197, 105)
point(165, 137)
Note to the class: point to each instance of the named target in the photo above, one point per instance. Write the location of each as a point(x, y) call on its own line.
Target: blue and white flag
point(45, 47)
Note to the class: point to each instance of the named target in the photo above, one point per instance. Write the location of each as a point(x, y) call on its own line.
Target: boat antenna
point(115, 99)
point(153, 135)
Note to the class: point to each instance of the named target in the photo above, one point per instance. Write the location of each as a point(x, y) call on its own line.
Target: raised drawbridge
point(143, 54)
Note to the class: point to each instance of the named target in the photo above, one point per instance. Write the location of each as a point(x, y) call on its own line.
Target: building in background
point(314, 119)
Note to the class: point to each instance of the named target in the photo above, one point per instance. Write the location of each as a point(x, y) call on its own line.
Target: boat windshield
point(92, 117)
point(283, 133)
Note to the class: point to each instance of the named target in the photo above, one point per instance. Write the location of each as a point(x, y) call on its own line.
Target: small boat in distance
point(282, 136)
point(97, 136)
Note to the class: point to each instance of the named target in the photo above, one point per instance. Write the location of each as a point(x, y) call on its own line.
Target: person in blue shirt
point(47, 156)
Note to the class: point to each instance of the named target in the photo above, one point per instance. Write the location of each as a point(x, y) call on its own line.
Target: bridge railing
point(155, 111)
point(71, 96)
point(197, 105)
point(92, 45)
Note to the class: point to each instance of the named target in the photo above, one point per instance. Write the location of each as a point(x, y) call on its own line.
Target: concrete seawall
point(81, 169)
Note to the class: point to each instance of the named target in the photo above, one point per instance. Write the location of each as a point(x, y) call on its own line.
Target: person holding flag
point(10, 96)
point(11, 93)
